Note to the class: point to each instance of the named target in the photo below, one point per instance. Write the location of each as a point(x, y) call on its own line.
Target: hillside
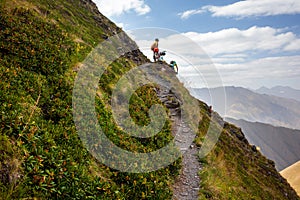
point(46, 46)
point(282, 145)
point(245, 104)
point(289, 174)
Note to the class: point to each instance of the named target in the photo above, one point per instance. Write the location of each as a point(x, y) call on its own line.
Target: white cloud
point(188, 13)
point(281, 66)
point(247, 57)
point(225, 59)
point(255, 39)
point(116, 7)
point(269, 71)
point(250, 8)
point(295, 45)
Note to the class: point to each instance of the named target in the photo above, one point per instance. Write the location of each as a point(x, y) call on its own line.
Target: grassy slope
point(41, 155)
point(290, 173)
point(41, 44)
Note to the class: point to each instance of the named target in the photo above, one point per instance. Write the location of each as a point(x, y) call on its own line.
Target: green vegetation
point(42, 45)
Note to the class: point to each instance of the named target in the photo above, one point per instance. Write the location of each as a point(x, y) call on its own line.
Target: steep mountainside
point(244, 104)
point(45, 46)
point(281, 91)
point(282, 145)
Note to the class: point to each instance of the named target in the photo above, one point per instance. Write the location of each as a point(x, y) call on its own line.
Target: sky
point(250, 43)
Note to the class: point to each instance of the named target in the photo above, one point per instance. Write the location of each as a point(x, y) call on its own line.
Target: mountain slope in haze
point(290, 174)
point(43, 45)
point(282, 145)
point(244, 104)
point(281, 91)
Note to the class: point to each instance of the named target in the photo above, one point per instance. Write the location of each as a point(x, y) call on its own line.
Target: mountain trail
point(187, 184)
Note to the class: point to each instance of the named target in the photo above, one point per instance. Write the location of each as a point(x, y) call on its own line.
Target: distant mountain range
point(245, 104)
point(282, 145)
point(281, 91)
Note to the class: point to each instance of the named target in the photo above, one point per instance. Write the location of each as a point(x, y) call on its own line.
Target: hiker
point(154, 48)
point(173, 64)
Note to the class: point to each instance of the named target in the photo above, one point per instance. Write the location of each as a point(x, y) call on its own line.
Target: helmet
point(156, 39)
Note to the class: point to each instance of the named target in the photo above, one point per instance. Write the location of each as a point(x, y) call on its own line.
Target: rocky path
point(186, 186)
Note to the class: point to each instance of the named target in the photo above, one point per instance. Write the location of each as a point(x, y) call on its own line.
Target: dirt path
point(186, 185)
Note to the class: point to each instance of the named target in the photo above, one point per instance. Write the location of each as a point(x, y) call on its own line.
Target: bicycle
point(158, 56)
